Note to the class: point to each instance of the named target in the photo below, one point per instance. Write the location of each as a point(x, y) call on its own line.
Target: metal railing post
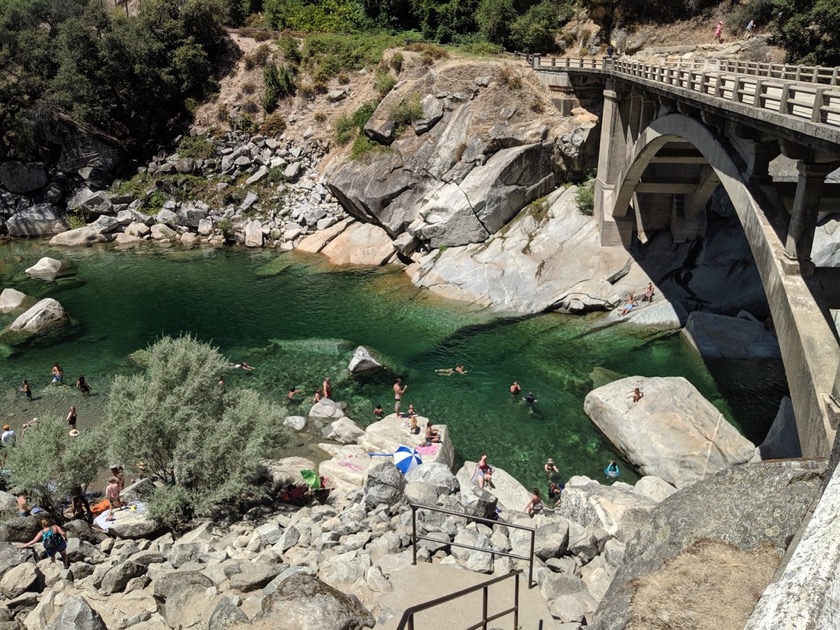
point(414, 533)
point(531, 560)
point(484, 608)
point(516, 602)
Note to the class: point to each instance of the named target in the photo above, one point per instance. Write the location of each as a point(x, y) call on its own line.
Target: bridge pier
point(614, 230)
point(806, 209)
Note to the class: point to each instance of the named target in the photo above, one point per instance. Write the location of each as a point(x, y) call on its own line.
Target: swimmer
point(458, 369)
point(82, 386)
point(294, 391)
point(378, 412)
point(515, 389)
point(612, 470)
point(241, 366)
point(26, 390)
point(530, 400)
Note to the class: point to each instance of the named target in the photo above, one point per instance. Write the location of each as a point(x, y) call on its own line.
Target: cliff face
point(488, 143)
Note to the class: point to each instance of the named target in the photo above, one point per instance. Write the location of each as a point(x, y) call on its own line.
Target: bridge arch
point(806, 338)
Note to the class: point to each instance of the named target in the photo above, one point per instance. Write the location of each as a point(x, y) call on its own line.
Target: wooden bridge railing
point(817, 101)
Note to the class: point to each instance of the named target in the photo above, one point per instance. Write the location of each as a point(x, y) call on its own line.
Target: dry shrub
point(250, 107)
point(710, 586)
point(342, 79)
point(222, 112)
point(273, 125)
point(249, 88)
point(320, 117)
point(537, 106)
point(261, 54)
point(510, 78)
point(430, 52)
point(459, 151)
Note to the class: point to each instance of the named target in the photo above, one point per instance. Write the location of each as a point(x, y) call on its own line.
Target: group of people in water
point(56, 378)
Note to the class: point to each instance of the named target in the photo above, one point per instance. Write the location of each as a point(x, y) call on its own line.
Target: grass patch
point(481, 49)
point(363, 146)
point(273, 125)
point(384, 82)
point(510, 78)
point(407, 110)
point(347, 126)
point(585, 197)
point(329, 54)
point(197, 147)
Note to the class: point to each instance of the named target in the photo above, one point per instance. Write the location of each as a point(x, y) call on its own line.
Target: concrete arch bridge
point(672, 132)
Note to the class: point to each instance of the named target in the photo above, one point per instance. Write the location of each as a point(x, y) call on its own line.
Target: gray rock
point(89, 201)
point(45, 269)
point(105, 224)
point(326, 410)
point(782, 441)
point(253, 576)
point(250, 199)
point(672, 432)
point(510, 493)
point(20, 178)
point(80, 237)
point(336, 95)
point(20, 579)
point(185, 553)
point(10, 300)
point(44, 317)
point(550, 539)
point(227, 614)
point(260, 173)
point(437, 475)
point(432, 113)
point(292, 171)
point(363, 363)
point(167, 217)
point(472, 559)
point(185, 166)
point(303, 602)
point(11, 556)
point(720, 337)
point(205, 227)
point(162, 232)
point(419, 492)
point(42, 219)
point(654, 488)
point(345, 431)
point(137, 229)
point(253, 234)
point(134, 525)
point(118, 576)
point(296, 423)
point(164, 585)
point(19, 529)
point(76, 614)
point(384, 484)
point(754, 505)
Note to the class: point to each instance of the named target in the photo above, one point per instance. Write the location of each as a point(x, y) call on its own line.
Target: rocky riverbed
point(331, 565)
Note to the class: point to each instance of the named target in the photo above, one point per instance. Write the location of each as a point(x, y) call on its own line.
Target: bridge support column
point(613, 148)
point(803, 221)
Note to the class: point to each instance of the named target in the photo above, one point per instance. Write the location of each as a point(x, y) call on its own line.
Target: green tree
point(204, 443)
point(810, 31)
point(47, 464)
point(494, 19)
point(536, 30)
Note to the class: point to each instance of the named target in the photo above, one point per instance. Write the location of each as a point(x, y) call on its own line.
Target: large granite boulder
point(20, 178)
point(782, 441)
point(44, 317)
point(384, 484)
point(616, 509)
point(511, 494)
point(11, 556)
point(672, 432)
point(303, 602)
point(76, 614)
point(718, 531)
point(720, 337)
point(19, 529)
point(42, 219)
point(287, 470)
point(80, 237)
point(45, 269)
point(11, 299)
point(360, 244)
point(363, 362)
point(21, 578)
point(549, 257)
point(435, 474)
point(129, 524)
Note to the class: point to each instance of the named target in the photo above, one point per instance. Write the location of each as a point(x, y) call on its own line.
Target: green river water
point(297, 320)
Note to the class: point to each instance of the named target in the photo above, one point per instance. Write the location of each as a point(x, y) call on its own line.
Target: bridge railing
point(813, 102)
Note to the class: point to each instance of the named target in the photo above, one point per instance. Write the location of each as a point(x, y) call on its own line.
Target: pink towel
point(428, 450)
point(351, 466)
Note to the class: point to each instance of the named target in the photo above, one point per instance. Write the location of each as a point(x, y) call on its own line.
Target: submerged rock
point(672, 432)
point(363, 362)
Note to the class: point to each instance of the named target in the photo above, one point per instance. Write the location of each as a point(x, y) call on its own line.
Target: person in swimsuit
point(432, 435)
point(82, 386)
point(629, 305)
point(637, 394)
point(458, 369)
point(327, 388)
point(23, 506)
point(292, 393)
point(378, 412)
point(26, 390)
point(534, 504)
point(112, 493)
point(484, 473)
point(515, 389)
point(398, 394)
point(71, 417)
point(316, 398)
point(649, 293)
point(57, 374)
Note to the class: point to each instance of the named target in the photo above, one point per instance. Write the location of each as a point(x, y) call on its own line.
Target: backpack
point(52, 540)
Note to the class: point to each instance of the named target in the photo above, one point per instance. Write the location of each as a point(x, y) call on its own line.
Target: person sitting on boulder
point(629, 305)
point(432, 435)
point(649, 293)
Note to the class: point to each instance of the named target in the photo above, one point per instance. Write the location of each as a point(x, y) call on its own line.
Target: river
point(296, 320)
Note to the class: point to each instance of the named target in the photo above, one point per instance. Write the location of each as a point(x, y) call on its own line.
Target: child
point(26, 390)
point(112, 493)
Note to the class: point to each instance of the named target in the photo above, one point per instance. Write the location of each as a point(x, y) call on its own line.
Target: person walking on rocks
point(399, 391)
point(719, 31)
point(54, 540)
point(534, 504)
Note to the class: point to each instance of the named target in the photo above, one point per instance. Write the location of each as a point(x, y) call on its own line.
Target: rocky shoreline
point(332, 565)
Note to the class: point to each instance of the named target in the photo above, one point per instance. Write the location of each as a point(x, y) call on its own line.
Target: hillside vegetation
point(134, 71)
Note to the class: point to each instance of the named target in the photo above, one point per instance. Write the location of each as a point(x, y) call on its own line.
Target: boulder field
point(601, 553)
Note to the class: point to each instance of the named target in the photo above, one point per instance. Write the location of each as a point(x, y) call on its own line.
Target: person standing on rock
point(637, 394)
point(399, 391)
point(112, 493)
point(54, 540)
point(327, 388)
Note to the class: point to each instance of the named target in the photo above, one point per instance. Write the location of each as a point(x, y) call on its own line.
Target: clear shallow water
point(298, 320)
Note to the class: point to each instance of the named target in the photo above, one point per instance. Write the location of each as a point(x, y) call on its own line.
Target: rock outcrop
point(720, 337)
point(43, 219)
point(479, 153)
point(672, 432)
point(756, 507)
point(45, 317)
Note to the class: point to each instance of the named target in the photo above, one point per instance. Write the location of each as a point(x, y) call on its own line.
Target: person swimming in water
point(612, 470)
point(458, 369)
point(57, 374)
point(515, 389)
point(82, 386)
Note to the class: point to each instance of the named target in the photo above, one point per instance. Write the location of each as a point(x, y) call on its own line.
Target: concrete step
point(424, 582)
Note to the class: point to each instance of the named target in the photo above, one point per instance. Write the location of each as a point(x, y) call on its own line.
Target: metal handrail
point(488, 521)
point(407, 618)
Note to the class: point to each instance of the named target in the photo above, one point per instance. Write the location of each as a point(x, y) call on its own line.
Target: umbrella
point(406, 458)
point(311, 478)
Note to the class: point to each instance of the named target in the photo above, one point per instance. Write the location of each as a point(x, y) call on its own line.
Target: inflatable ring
point(612, 474)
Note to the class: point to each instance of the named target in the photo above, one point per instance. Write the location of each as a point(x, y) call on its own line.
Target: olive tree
point(204, 443)
point(47, 465)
